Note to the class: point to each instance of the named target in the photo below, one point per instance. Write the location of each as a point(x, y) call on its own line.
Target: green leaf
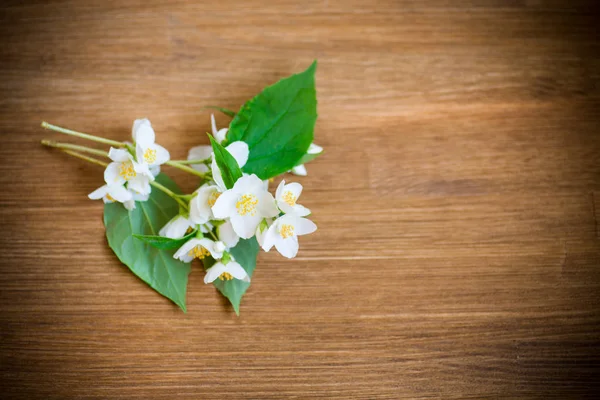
point(278, 124)
point(223, 110)
point(245, 253)
point(156, 267)
point(230, 170)
point(164, 243)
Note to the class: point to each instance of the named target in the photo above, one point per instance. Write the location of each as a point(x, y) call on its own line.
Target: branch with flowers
point(157, 231)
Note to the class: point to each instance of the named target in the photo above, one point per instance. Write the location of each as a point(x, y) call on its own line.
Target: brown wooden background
point(458, 246)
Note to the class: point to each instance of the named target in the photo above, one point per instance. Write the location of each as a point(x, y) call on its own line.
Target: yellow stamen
point(247, 205)
point(126, 170)
point(225, 276)
point(286, 231)
point(150, 156)
point(109, 197)
point(199, 252)
point(289, 198)
point(212, 199)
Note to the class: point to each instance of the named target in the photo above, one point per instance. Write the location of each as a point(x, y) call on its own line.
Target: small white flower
point(111, 193)
point(261, 230)
point(287, 195)
point(300, 170)
point(240, 151)
point(123, 169)
point(246, 204)
point(149, 154)
point(227, 235)
point(201, 203)
point(176, 227)
point(284, 232)
point(226, 272)
point(199, 248)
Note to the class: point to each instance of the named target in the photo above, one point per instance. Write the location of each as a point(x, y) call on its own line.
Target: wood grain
point(458, 201)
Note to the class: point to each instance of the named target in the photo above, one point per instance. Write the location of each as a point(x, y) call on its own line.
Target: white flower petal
point(314, 149)
point(99, 193)
point(213, 124)
point(248, 184)
point(299, 170)
point(237, 271)
point(295, 188)
point(300, 210)
point(216, 174)
point(139, 184)
point(245, 226)
point(287, 247)
point(111, 174)
point(225, 205)
point(175, 228)
point(162, 154)
point(304, 226)
point(119, 193)
point(221, 135)
point(119, 155)
point(155, 170)
point(200, 153)
point(142, 132)
point(227, 235)
point(214, 272)
point(270, 237)
point(266, 205)
point(240, 151)
point(279, 191)
point(129, 205)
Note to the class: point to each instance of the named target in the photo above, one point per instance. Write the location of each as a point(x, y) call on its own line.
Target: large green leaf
point(245, 253)
point(156, 267)
point(230, 170)
point(278, 124)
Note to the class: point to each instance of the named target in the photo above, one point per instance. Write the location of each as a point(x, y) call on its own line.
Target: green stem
point(186, 169)
point(213, 235)
point(170, 193)
point(187, 162)
point(86, 158)
point(81, 135)
point(69, 146)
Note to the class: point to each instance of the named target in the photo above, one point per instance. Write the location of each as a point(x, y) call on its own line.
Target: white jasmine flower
point(148, 153)
point(123, 169)
point(227, 235)
point(300, 170)
point(239, 150)
point(111, 193)
point(201, 203)
point(176, 227)
point(204, 152)
point(246, 204)
point(226, 272)
point(284, 232)
point(261, 230)
point(287, 195)
point(199, 248)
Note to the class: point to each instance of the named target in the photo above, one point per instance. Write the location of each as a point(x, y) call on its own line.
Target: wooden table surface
point(458, 247)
